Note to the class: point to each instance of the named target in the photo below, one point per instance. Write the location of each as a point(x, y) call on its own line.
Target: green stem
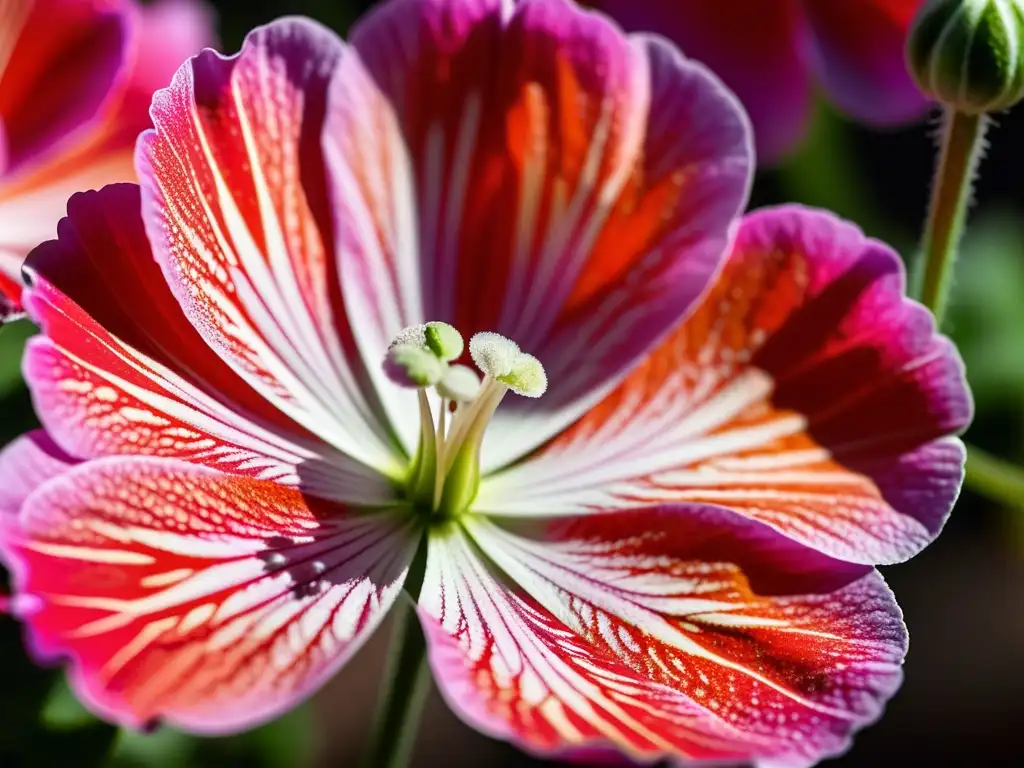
point(995, 478)
point(962, 144)
point(406, 685)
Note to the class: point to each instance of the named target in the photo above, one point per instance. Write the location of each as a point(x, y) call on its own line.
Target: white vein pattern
point(514, 662)
point(280, 336)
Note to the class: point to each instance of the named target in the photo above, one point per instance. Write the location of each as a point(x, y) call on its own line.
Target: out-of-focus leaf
point(163, 748)
point(288, 742)
point(987, 314)
point(62, 709)
point(45, 726)
point(12, 341)
point(825, 173)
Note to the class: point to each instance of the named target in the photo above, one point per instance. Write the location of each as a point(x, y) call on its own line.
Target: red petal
point(235, 206)
point(527, 169)
point(120, 370)
point(807, 392)
point(211, 601)
point(61, 63)
point(629, 636)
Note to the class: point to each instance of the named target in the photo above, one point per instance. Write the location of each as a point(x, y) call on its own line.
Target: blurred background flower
point(961, 597)
point(774, 53)
point(76, 77)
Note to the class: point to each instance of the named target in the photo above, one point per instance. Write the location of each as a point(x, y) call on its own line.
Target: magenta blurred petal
point(756, 51)
point(25, 464)
point(121, 53)
point(62, 62)
point(858, 55)
point(166, 34)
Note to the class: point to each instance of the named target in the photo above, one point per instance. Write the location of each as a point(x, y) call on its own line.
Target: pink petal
point(211, 601)
point(756, 50)
point(25, 464)
point(642, 643)
point(119, 370)
point(528, 170)
point(33, 203)
point(807, 392)
point(235, 206)
point(167, 33)
point(61, 63)
point(859, 57)
point(32, 199)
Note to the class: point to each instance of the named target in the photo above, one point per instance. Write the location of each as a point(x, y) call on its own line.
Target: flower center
point(444, 475)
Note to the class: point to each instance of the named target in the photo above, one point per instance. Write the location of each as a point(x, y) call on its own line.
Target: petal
point(642, 643)
point(527, 169)
point(120, 370)
point(859, 57)
point(756, 51)
point(61, 63)
point(33, 203)
point(10, 287)
point(211, 601)
point(234, 204)
point(168, 33)
point(807, 392)
point(25, 464)
point(513, 671)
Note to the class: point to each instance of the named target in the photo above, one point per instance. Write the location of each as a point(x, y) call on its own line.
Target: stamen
point(527, 377)
point(445, 473)
point(413, 336)
point(460, 384)
point(444, 341)
point(493, 354)
point(413, 367)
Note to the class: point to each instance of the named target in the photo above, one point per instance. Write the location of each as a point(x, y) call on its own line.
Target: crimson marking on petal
point(213, 601)
point(806, 392)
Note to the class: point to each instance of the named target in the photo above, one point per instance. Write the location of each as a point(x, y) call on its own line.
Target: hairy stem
point(963, 139)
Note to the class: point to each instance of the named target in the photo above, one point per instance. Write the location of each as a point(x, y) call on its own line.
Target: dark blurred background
point(963, 598)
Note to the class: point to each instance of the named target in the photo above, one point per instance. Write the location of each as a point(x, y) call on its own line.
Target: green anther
point(443, 340)
point(413, 367)
point(527, 377)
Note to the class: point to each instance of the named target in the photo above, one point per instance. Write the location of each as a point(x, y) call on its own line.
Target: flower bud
point(968, 54)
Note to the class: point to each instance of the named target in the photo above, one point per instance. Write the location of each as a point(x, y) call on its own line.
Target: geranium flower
point(245, 454)
point(76, 79)
point(770, 52)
